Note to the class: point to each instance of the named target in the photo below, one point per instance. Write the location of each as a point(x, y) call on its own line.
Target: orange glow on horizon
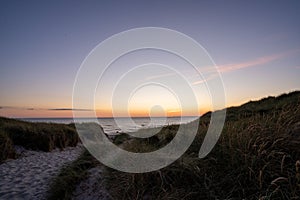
point(27, 113)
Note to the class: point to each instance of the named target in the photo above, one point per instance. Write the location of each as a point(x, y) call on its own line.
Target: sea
point(113, 126)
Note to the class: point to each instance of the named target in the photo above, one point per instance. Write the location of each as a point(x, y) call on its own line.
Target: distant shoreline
point(27, 118)
point(119, 124)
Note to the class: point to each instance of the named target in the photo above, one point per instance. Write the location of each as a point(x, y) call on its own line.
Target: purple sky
point(255, 44)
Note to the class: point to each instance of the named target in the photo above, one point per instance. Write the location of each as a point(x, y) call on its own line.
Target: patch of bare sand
point(29, 176)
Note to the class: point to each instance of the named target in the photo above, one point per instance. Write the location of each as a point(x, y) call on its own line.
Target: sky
point(254, 44)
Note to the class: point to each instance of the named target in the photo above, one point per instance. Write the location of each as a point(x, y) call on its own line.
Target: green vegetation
point(35, 136)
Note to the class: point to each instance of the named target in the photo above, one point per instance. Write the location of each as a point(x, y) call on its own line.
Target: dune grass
point(35, 136)
point(65, 183)
point(256, 157)
point(6, 146)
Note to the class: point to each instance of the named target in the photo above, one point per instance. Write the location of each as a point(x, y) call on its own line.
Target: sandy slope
point(28, 177)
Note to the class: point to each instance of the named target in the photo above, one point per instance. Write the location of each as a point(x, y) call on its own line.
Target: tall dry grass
point(35, 136)
point(257, 157)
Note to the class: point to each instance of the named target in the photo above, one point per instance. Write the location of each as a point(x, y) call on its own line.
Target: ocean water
point(117, 125)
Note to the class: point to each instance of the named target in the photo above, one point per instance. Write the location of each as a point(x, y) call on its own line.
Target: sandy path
point(92, 188)
point(28, 177)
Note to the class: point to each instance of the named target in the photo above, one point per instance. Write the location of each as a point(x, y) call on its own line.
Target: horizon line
point(101, 117)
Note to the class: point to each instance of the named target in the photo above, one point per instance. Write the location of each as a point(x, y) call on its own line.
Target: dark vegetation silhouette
point(256, 157)
point(34, 136)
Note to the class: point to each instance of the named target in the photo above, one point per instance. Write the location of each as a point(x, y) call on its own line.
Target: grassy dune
point(257, 157)
point(35, 136)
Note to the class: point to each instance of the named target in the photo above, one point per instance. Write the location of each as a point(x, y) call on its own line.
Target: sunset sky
point(254, 44)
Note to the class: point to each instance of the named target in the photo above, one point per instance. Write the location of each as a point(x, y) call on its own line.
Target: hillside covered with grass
point(256, 157)
point(34, 136)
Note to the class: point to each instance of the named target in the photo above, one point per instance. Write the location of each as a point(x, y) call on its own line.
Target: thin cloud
point(246, 64)
point(212, 76)
point(11, 107)
point(160, 76)
point(49, 109)
point(18, 108)
point(231, 67)
point(68, 109)
point(252, 63)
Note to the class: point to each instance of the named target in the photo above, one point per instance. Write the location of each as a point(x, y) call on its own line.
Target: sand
point(29, 176)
